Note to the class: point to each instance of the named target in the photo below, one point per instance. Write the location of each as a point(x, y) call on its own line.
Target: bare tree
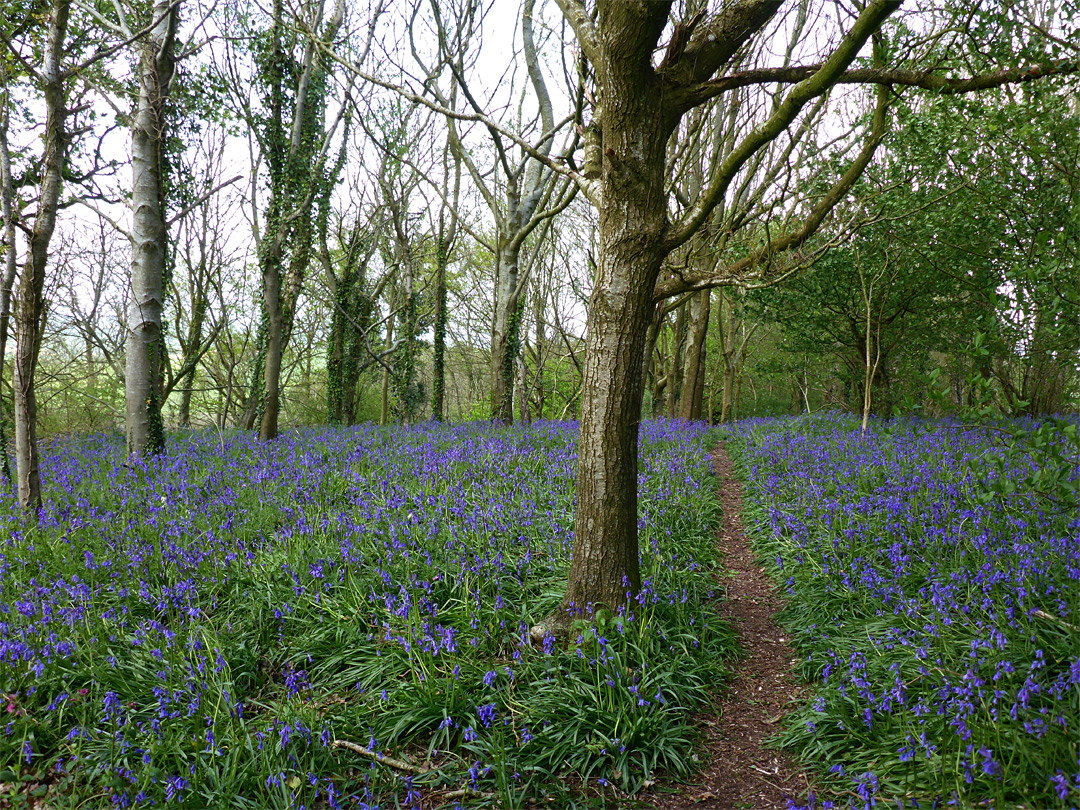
point(519, 190)
point(51, 79)
point(294, 143)
point(7, 277)
point(641, 105)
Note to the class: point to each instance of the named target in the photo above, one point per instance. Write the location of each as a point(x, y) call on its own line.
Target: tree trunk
point(693, 377)
point(506, 334)
point(521, 393)
point(384, 398)
point(604, 570)
point(656, 324)
point(183, 416)
point(675, 376)
point(447, 235)
point(728, 397)
point(7, 280)
point(361, 306)
point(438, 371)
point(253, 398)
point(340, 294)
point(637, 117)
point(734, 404)
point(409, 401)
point(632, 219)
point(143, 361)
point(295, 93)
point(30, 304)
point(540, 304)
point(268, 425)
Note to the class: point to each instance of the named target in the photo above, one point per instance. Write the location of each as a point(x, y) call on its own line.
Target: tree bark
point(7, 279)
point(142, 367)
point(384, 394)
point(604, 569)
point(272, 304)
point(540, 305)
point(340, 293)
point(506, 332)
point(656, 323)
point(640, 110)
point(693, 378)
point(527, 202)
point(438, 366)
point(30, 302)
point(678, 365)
point(444, 244)
point(296, 164)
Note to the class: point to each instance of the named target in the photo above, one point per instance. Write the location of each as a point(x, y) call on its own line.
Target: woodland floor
point(742, 773)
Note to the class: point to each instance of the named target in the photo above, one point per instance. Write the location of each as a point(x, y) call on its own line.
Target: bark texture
point(640, 107)
point(633, 215)
point(142, 364)
point(30, 302)
point(7, 279)
point(693, 378)
point(438, 364)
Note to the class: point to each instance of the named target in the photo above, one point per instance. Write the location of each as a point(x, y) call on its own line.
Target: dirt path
point(742, 773)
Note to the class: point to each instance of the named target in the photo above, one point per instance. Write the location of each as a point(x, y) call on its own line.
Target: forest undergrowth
point(931, 574)
point(341, 618)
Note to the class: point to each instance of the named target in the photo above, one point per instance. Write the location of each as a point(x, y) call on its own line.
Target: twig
point(464, 793)
point(1042, 614)
point(203, 198)
point(397, 764)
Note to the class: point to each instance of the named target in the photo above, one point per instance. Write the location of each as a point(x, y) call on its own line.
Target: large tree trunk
point(143, 361)
point(30, 303)
point(633, 216)
point(604, 570)
point(640, 109)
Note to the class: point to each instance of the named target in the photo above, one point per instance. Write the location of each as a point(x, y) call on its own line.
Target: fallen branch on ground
point(397, 764)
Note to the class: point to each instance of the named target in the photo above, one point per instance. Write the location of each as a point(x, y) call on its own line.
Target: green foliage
point(973, 229)
point(237, 606)
point(930, 570)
